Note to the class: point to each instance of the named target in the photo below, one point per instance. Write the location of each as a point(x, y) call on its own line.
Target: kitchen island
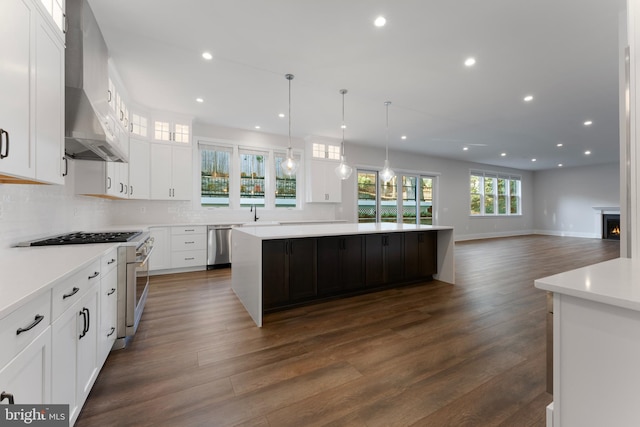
point(596, 345)
point(283, 266)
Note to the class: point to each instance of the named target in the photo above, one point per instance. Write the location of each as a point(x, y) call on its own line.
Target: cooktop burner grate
point(85, 238)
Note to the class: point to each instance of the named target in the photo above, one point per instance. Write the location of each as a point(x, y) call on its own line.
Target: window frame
point(495, 195)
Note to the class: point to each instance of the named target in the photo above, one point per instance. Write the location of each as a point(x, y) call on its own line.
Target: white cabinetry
point(171, 170)
point(172, 131)
point(102, 179)
point(108, 305)
point(138, 169)
point(188, 246)
point(25, 359)
point(74, 349)
point(32, 78)
point(182, 248)
point(323, 185)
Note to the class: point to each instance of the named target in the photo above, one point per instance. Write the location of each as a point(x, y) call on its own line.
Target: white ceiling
point(563, 52)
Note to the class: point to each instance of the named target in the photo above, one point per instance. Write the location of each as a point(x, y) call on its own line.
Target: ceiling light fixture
point(587, 152)
point(380, 21)
point(281, 115)
point(528, 98)
point(470, 62)
point(200, 100)
point(588, 123)
point(290, 164)
point(465, 148)
point(559, 144)
point(503, 154)
point(403, 137)
point(207, 55)
point(559, 165)
point(534, 160)
point(387, 173)
point(257, 126)
point(343, 170)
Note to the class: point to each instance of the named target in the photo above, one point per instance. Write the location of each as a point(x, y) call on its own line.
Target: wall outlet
point(143, 209)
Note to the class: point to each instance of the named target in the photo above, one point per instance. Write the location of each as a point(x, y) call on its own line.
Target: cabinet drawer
point(188, 242)
point(67, 292)
point(109, 261)
point(188, 259)
point(193, 229)
point(29, 320)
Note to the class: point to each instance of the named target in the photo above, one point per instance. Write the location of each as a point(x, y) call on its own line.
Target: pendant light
point(290, 164)
point(386, 174)
point(343, 170)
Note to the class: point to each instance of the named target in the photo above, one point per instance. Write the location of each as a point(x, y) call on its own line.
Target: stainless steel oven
point(133, 287)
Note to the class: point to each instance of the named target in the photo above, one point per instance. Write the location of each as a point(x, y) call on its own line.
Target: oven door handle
point(146, 258)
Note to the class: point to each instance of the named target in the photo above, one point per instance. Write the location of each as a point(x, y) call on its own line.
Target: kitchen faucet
point(254, 209)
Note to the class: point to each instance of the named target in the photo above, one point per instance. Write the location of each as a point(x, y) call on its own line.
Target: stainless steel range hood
point(89, 125)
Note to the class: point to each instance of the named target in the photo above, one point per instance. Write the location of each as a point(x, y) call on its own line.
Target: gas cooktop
point(78, 238)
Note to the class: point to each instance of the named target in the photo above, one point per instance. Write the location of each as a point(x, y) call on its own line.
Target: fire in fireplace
point(611, 226)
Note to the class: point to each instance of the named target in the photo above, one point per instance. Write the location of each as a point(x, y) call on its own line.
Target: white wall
point(563, 199)
point(452, 198)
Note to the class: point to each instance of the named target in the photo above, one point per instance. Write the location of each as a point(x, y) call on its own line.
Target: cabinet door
point(160, 167)
point(329, 271)
point(302, 277)
point(49, 104)
point(113, 180)
point(275, 289)
point(108, 314)
point(352, 262)
point(412, 260)
point(138, 169)
point(394, 263)
point(27, 376)
point(64, 332)
point(324, 185)
point(429, 253)
point(15, 77)
point(374, 259)
point(89, 322)
point(161, 257)
point(181, 173)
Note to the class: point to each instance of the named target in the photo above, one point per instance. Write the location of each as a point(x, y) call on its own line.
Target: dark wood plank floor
point(433, 354)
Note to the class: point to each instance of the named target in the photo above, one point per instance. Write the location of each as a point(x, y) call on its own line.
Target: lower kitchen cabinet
point(161, 258)
point(420, 258)
point(383, 259)
point(288, 271)
point(74, 352)
point(340, 264)
point(108, 314)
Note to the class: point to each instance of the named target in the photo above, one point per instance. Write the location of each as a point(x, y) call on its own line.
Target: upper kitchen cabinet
point(56, 11)
point(139, 181)
point(172, 129)
point(32, 85)
point(323, 185)
point(171, 169)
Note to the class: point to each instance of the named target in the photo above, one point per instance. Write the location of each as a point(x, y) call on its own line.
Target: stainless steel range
point(133, 272)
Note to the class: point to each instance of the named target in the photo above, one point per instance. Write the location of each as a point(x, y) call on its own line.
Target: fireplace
point(611, 226)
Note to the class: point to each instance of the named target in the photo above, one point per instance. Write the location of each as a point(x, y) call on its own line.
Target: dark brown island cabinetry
point(340, 264)
point(298, 271)
point(288, 271)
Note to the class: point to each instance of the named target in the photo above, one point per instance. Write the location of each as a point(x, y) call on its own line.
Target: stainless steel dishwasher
point(218, 246)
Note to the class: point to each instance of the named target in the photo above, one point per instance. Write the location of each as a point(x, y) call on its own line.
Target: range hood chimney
point(89, 126)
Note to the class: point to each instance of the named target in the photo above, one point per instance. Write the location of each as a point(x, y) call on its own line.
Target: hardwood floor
point(434, 354)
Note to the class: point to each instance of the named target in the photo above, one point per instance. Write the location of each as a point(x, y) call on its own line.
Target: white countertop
point(615, 282)
point(316, 230)
point(249, 222)
point(28, 272)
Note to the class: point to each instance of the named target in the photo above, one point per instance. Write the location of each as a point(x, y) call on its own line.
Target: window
point(138, 125)
point(252, 178)
point(214, 175)
point(494, 194)
point(405, 198)
point(367, 196)
point(286, 186)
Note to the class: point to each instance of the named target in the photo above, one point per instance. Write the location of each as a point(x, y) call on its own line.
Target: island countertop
point(318, 230)
point(615, 282)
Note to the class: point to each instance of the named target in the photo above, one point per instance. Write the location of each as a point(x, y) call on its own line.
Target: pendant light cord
point(343, 91)
point(387, 150)
point(289, 77)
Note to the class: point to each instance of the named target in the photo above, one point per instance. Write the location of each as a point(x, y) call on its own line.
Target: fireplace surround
point(611, 226)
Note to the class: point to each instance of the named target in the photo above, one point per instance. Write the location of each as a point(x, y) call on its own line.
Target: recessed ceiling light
point(403, 137)
point(559, 144)
point(559, 165)
point(465, 148)
point(588, 123)
point(586, 153)
point(207, 55)
point(257, 126)
point(528, 98)
point(281, 115)
point(470, 62)
point(534, 160)
point(200, 100)
point(503, 154)
point(343, 126)
point(380, 21)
